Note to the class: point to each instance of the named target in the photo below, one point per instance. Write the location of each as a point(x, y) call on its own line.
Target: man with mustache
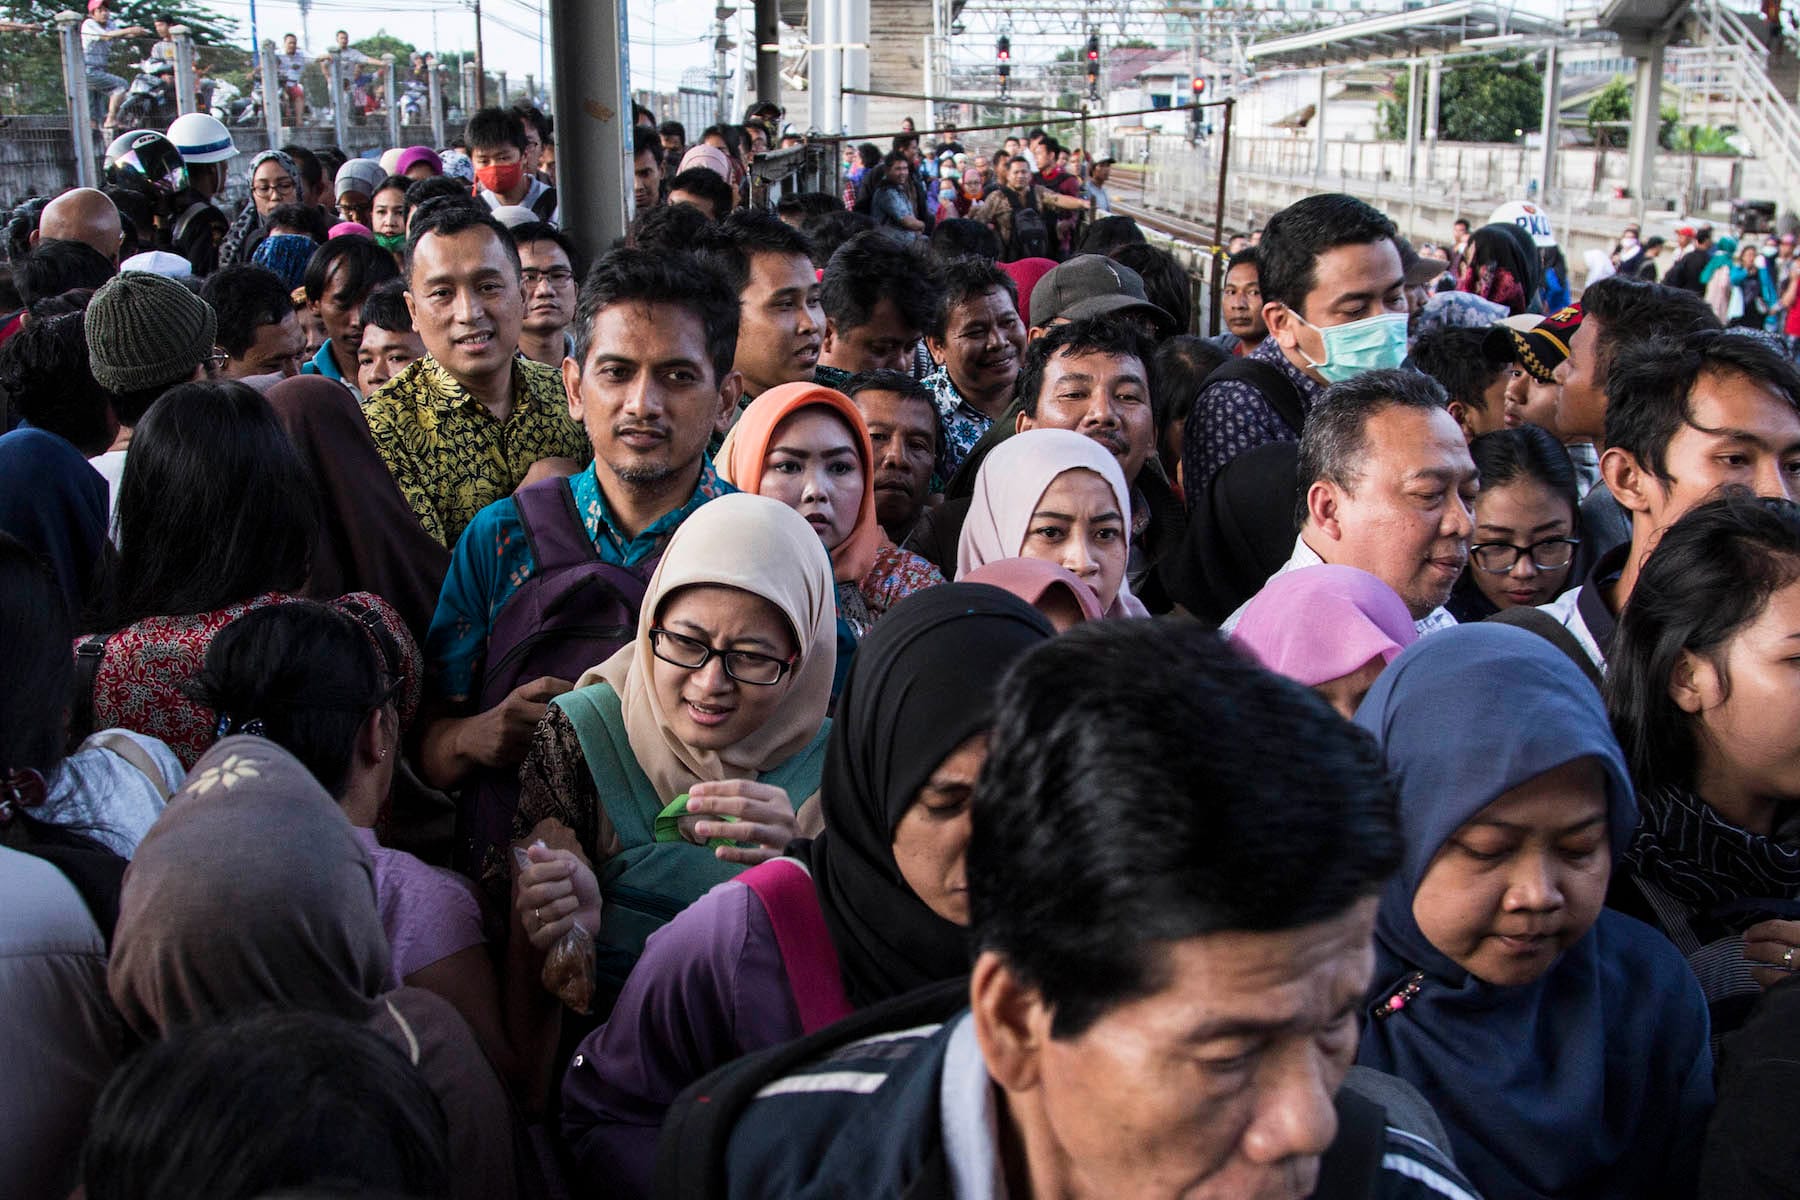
point(1386, 485)
point(461, 427)
point(650, 380)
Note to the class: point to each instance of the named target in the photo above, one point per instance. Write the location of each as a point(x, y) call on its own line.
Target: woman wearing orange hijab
point(807, 446)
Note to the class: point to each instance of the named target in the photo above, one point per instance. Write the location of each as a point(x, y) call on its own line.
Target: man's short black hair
point(900, 384)
point(957, 237)
point(544, 231)
point(808, 204)
point(872, 267)
point(1166, 282)
point(537, 118)
point(1458, 359)
point(491, 128)
point(674, 129)
point(360, 265)
point(48, 377)
point(1092, 335)
point(434, 187)
point(965, 278)
point(661, 276)
point(58, 265)
point(1146, 784)
point(1632, 312)
point(1108, 234)
point(705, 183)
point(1649, 390)
point(385, 308)
point(448, 220)
point(1295, 238)
point(669, 227)
point(246, 298)
point(645, 141)
point(1244, 258)
point(731, 244)
point(826, 232)
point(1335, 439)
point(307, 218)
point(312, 171)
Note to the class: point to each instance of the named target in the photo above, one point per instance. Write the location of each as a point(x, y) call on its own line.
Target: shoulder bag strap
point(88, 657)
point(1275, 387)
point(553, 528)
point(132, 753)
point(807, 954)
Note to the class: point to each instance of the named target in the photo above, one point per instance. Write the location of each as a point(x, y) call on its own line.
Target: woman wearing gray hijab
point(280, 185)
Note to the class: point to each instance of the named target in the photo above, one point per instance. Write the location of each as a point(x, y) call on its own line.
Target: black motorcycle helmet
point(149, 156)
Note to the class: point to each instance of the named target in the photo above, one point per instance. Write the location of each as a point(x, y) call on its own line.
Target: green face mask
point(390, 242)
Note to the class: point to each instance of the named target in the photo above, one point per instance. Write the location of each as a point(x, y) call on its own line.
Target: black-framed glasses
point(281, 187)
point(555, 276)
point(1551, 554)
point(745, 666)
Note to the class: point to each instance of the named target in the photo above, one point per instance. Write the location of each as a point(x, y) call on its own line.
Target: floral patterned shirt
point(144, 669)
point(960, 422)
point(450, 456)
point(1232, 417)
point(896, 575)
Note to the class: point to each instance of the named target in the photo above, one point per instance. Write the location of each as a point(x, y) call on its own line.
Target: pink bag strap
point(807, 954)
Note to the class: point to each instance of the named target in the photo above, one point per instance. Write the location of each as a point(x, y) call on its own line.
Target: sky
point(666, 35)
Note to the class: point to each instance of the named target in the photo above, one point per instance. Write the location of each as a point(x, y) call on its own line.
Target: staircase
point(1727, 77)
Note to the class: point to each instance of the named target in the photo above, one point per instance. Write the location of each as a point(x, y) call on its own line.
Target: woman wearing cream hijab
point(1055, 495)
point(682, 758)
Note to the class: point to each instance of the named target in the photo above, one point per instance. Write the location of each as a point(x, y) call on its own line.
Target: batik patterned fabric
point(450, 456)
point(1232, 417)
point(141, 683)
point(962, 423)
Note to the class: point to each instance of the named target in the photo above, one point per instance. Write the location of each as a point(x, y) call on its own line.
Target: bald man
point(83, 215)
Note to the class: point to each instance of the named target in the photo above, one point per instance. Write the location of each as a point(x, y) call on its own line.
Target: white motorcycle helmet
point(202, 138)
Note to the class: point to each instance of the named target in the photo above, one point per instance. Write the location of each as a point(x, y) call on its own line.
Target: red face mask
point(500, 179)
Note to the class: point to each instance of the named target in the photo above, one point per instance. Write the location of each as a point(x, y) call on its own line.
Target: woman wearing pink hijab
point(1059, 496)
point(1334, 629)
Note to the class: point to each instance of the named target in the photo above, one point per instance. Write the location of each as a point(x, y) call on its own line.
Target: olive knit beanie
point(146, 331)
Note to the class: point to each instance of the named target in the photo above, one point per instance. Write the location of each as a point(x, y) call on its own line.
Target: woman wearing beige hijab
point(684, 757)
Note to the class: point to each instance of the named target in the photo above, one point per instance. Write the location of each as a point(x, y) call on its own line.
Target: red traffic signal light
point(1003, 49)
point(1199, 85)
point(1093, 48)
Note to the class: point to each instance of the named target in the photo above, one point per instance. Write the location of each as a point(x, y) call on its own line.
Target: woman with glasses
point(274, 181)
point(684, 757)
point(870, 909)
point(321, 682)
point(1526, 524)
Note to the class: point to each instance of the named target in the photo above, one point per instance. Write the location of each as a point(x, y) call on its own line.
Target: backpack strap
point(88, 657)
point(807, 955)
point(554, 530)
point(121, 745)
point(1352, 1163)
point(1274, 385)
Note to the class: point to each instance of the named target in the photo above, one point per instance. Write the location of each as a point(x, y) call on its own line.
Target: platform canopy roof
point(1434, 29)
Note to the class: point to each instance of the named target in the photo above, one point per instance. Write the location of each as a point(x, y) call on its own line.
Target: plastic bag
point(569, 965)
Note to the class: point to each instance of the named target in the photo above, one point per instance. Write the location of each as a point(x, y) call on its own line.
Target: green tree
point(1480, 100)
point(382, 42)
point(1699, 139)
point(31, 63)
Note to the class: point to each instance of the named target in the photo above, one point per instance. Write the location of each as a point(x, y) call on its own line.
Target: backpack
point(1276, 388)
point(545, 207)
point(1030, 235)
point(573, 612)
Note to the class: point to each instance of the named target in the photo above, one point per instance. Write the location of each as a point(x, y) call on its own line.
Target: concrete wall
point(897, 62)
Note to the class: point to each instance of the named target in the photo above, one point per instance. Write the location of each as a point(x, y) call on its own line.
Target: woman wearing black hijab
point(870, 909)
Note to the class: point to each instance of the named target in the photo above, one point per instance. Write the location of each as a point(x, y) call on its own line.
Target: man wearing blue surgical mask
point(1334, 300)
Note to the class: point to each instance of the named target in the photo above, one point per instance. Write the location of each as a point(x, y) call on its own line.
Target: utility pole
point(480, 67)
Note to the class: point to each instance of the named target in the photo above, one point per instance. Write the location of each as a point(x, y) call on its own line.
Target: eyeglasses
point(281, 187)
point(556, 275)
point(758, 670)
point(1551, 554)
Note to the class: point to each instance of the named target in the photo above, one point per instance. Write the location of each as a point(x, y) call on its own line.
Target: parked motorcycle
point(151, 98)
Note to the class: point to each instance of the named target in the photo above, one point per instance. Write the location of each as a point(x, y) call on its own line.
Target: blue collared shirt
point(324, 364)
point(493, 559)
